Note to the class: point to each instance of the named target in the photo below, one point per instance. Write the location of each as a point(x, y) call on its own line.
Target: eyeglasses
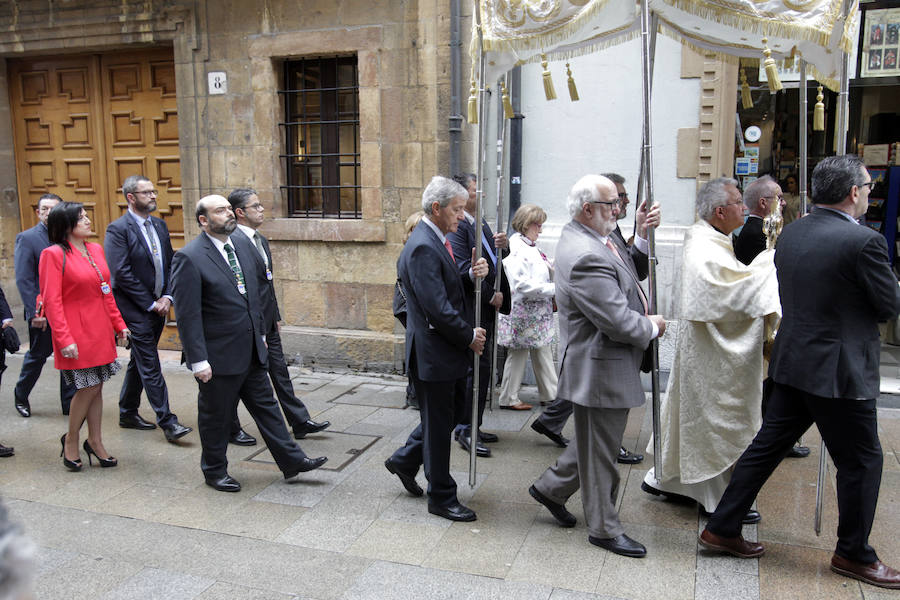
point(623, 196)
point(779, 197)
point(605, 203)
point(732, 203)
point(871, 184)
point(254, 206)
point(149, 192)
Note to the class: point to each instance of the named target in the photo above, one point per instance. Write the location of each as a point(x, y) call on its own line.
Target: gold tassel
point(746, 99)
point(507, 103)
point(771, 68)
point(573, 91)
point(549, 92)
point(789, 59)
point(819, 112)
point(473, 103)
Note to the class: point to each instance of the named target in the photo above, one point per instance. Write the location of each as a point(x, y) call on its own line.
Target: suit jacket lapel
point(217, 259)
point(139, 236)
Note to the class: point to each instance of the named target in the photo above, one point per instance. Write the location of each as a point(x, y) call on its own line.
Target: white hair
point(441, 190)
point(585, 190)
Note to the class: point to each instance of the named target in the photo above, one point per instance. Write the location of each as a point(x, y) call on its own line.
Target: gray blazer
point(603, 330)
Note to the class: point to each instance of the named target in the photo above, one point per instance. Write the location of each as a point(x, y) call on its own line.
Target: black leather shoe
point(670, 496)
point(23, 407)
point(556, 438)
point(621, 544)
point(226, 483)
point(486, 437)
point(751, 518)
point(628, 458)
point(6, 450)
point(307, 464)
point(408, 481)
point(454, 512)
point(242, 438)
point(480, 449)
point(798, 452)
point(559, 512)
point(310, 426)
point(135, 421)
point(175, 430)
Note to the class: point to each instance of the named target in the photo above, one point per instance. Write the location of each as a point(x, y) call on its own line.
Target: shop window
point(321, 138)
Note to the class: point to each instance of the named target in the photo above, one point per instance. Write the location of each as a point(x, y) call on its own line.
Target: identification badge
point(269, 274)
point(242, 289)
point(104, 287)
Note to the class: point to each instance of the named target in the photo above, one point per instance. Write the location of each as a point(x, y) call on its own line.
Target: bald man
point(216, 281)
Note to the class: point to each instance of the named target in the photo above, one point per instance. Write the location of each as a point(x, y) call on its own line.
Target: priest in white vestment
point(711, 410)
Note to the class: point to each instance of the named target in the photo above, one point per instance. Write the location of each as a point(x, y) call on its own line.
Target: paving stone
point(159, 584)
point(85, 576)
point(409, 543)
point(712, 585)
point(228, 591)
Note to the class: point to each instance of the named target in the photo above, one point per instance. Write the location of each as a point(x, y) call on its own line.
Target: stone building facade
point(334, 276)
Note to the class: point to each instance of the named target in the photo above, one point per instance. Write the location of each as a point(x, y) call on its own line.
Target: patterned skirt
point(91, 376)
point(528, 325)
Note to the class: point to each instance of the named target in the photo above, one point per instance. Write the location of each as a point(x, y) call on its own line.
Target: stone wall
point(334, 278)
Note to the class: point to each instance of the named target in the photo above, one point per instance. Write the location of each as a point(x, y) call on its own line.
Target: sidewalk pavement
point(150, 528)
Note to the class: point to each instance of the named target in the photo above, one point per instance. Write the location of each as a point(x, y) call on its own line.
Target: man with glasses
point(29, 245)
point(836, 284)
point(139, 254)
point(723, 312)
point(604, 329)
point(250, 214)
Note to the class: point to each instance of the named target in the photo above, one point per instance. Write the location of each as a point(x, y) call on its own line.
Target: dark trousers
point(849, 428)
point(144, 372)
point(294, 410)
point(555, 416)
point(40, 348)
point(217, 403)
point(484, 380)
point(440, 405)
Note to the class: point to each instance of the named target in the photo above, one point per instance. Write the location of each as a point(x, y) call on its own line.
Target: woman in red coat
point(85, 322)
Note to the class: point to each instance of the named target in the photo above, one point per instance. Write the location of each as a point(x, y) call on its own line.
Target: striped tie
point(235, 268)
point(157, 259)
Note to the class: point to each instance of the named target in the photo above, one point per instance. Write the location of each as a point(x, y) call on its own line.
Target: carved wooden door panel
point(58, 135)
point(141, 128)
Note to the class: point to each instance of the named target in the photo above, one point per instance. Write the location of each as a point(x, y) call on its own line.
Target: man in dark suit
point(249, 213)
point(139, 254)
point(439, 335)
point(216, 281)
point(604, 329)
point(29, 245)
point(462, 241)
point(759, 198)
point(836, 283)
point(6, 320)
point(551, 422)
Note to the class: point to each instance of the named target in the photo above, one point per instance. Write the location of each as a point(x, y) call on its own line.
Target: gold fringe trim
point(507, 103)
point(549, 92)
point(746, 98)
point(573, 91)
point(819, 112)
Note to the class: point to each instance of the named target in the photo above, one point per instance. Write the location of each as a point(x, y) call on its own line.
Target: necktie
point(259, 247)
point(235, 268)
point(611, 246)
point(449, 249)
point(157, 259)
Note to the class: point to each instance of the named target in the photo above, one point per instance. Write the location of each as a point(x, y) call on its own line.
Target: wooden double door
point(83, 123)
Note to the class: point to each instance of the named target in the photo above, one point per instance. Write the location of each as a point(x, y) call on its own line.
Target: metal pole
point(804, 114)
point(454, 126)
point(654, 25)
point(501, 148)
point(841, 137)
point(647, 154)
point(479, 197)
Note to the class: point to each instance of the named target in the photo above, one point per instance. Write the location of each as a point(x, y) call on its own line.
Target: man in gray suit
point(604, 330)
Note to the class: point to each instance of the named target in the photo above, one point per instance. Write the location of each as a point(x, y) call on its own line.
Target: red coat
point(78, 311)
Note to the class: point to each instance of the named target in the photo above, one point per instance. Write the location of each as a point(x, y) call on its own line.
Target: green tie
point(235, 268)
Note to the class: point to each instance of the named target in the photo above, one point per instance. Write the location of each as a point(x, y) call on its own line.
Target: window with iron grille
point(321, 107)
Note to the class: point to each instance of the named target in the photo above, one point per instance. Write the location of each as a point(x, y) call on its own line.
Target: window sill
point(324, 230)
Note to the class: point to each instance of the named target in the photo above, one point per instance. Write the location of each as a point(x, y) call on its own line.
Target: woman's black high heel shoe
point(104, 462)
point(72, 465)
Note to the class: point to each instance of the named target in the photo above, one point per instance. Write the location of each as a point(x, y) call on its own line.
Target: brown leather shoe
point(876, 573)
point(736, 546)
point(517, 406)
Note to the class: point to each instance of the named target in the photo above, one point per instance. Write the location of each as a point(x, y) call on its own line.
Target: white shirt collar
point(434, 228)
point(140, 220)
point(469, 217)
point(220, 246)
point(248, 231)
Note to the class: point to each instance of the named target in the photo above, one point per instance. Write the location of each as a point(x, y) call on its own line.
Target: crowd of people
point(80, 297)
point(823, 289)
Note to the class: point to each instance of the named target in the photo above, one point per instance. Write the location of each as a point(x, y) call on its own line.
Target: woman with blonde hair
point(528, 329)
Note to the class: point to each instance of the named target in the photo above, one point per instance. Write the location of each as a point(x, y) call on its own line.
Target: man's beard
point(227, 228)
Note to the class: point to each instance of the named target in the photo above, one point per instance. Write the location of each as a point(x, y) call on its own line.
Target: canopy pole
point(841, 149)
point(804, 143)
point(647, 162)
point(479, 211)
